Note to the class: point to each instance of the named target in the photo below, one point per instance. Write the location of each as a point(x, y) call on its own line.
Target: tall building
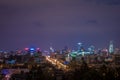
point(80, 47)
point(91, 49)
point(111, 47)
point(51, 48)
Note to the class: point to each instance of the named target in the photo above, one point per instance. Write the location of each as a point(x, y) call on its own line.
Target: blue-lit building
point(111, 47)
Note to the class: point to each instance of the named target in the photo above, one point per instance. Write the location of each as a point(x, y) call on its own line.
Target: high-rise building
point(80, 47)
point(111, 47)
point(91, 49)
point(51, 48)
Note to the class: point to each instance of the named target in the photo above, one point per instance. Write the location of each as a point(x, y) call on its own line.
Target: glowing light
point(48, 56)
point(7, 76)
point(79, 43)
point(56, 62)
point(73, 54)
point(5, 71)
point(38, 49)
point(32, 49)
point(19, 51)
point(26, 49)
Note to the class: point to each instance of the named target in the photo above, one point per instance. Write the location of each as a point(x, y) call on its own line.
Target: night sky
point(41, 23)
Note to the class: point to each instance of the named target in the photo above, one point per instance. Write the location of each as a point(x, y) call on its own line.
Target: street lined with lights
point(56, 62)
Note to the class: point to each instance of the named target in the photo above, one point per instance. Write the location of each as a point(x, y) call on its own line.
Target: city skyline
point(40, 23)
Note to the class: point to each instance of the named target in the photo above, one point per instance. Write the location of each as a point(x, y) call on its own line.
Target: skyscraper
point(91, 49)
point(111, 47)
point(80, 47)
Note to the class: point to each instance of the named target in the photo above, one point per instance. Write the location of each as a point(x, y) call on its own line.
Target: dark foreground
point(47, 71)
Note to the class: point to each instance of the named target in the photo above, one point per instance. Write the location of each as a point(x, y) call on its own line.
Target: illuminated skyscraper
point(111, 48)
point(91, 49)
point(51, 48)
point(80, 47)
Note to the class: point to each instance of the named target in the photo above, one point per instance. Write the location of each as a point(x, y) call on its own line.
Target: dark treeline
point(49, 72)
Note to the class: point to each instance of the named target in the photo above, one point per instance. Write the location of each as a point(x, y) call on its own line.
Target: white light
point(48, 56)
point(79, 43)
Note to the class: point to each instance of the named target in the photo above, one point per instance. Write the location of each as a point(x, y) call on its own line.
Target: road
point(56, 63)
